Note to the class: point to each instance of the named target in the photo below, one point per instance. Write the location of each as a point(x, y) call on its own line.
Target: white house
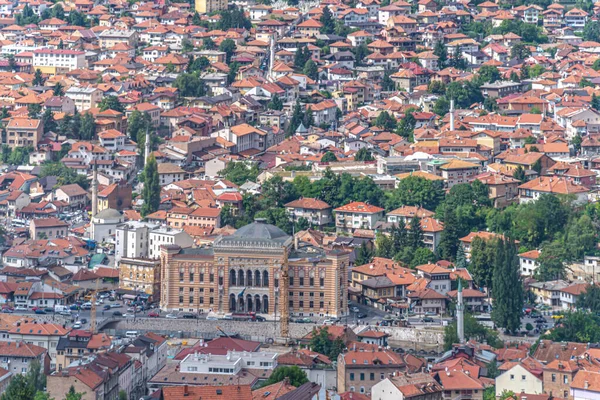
point(522, 377)
point(528, 262)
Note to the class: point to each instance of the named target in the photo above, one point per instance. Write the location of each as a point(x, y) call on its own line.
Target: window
point(311, 281)
point(301, 304)
point(201, 277)
point(291, 280)
point(523, 377)
point(181, 277)
point(191, 277)
point(301, 281)
point(351, 376)
point(565, 379)
point(362, 389)
point(311, 304)
point(211, 278)
point(321, 304)
point(512, 377)
point(362, 376)
point(553, 377)
point(291, 303)
point(211, 300)
point(372, 376)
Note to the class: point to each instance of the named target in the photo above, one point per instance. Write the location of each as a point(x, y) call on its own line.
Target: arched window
point(265, 278)
point(241, 277)
point(249, 278)
point(249, 303)
point(257, 304)
point(232, 302)
point(257, 278)
point(265, 304)
point(232, 277)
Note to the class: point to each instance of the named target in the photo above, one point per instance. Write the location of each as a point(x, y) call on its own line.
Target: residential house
point(315, 211)
point(357, 215)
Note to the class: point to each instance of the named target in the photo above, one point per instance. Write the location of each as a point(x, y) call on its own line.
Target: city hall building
point(242, 273)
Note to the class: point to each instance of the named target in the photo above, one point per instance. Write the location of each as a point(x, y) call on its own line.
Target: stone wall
point(259, 331)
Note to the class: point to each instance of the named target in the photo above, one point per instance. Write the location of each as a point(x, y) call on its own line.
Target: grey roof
point(260, 230)
point(378, 282)
point(108, 213)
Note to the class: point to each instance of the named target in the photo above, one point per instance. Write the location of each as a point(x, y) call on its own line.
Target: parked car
point(153, 315)
point(83, 320)
point(20, 308)
point(329, 322)
point(49, 309)
point(7, 310)
point(303, 321)
point(74, 307)
point(40, 311)
point(354, 309)
point(426, 319)
point(65, 313)
point(117, 314)
point(77, 325)
point(361, 315)
point(106, 307)
point(189, 316)
point(260, 319)
point(116, 305)
point(171, 316)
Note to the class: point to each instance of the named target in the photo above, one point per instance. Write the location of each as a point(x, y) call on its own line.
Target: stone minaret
point(451, 115)
point(460, 314)
point(94, 200)
point(147, 147)
point(272, 57)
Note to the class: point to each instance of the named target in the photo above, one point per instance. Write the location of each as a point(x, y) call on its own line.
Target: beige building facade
point(242, 273)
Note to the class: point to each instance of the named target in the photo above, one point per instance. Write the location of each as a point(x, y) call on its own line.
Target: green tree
point(488, 73)
point(278, 217)
point(590, 299)
point(422, 256)
point(415, 233)
point(416, 191)
point(328, 21)
point(519, 173)
point(441, 52)
point(363, 154)
point(406, 126)
point(437, 87)
point(364, 255)
point(482, 261)
point(73, 395)
point(441, 106)
point(48, 121)
point(208, 44)
point(520, 51)
point(329, 157)
point(111, 103)
point(19, 389)
point(38, 79)
point(275, 103)
point(578, 326)
point(384, 246)
point(386, 121)
point(322, 343)
point(36, 377)
point(228, 46)
point(293, 373)
point(87, 129)
point(551, 262)
point(240, 172)
point(34, 110)
point(65, 175)
point(449, 239)
point(58, 90)
point(122, 395)
point(151, 191)
point(473, 331)
point(508, 288)
point(310, 69)
point(387, 84)
point(591, 31)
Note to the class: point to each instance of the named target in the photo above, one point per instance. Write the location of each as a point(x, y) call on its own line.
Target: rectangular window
point(191, 277)
point(553, 377)
point(351, 376)
point(362, 376)
point(201, 277)
point(211, 300)
point(291, 280)
point(301, 281)
point(372, 376)
point(321, 304)
point(201, 300)
point(321, 282)
point(311, 281)
point(301, 304)
point(181, 277)
point(311, 304)
point(291, 304)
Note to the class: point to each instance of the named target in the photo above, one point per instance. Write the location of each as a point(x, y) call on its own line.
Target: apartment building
point(23, 132)
point(58, 61)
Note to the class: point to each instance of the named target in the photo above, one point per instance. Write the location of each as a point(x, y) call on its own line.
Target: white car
point(329, 322)
point(20, 308)
point(354, 309)
point(212, 318)
point(128, 315)
point(171, 316)
point(76, 325)
point(65, 313)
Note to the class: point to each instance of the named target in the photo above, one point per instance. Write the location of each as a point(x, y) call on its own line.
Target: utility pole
point(284, 297)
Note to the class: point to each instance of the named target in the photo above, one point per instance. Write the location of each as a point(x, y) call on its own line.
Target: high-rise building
point(208, 6)
point(242, 273)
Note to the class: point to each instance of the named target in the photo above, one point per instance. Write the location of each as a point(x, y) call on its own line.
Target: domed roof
point(260, 230)
point(108, 213)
